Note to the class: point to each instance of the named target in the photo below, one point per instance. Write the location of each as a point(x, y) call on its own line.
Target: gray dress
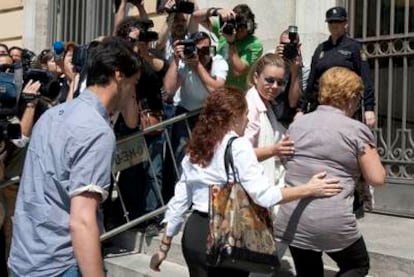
point(325, 140)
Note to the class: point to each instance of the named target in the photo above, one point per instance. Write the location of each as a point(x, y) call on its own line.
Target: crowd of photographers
point(180, 67)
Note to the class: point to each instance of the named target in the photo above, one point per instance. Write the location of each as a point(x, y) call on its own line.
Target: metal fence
point(133, 150)
point(80, 21)
point(386, 29)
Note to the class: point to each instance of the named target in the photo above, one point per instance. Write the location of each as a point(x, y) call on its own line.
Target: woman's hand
point(157, 259)
point(321, 186)
point(284, 148)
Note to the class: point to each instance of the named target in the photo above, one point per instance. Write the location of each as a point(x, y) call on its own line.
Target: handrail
point(9, 182)
point(158, 211)
point(133, 223)
point(165, 123)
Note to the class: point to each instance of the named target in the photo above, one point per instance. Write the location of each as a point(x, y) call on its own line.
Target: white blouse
point(192, 188)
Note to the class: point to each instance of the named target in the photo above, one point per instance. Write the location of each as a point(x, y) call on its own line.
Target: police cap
point(336, 14)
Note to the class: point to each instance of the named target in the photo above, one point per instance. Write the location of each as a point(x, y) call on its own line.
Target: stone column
point(35, 31)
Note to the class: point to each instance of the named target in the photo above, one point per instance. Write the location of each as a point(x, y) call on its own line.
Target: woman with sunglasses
point(266, 134)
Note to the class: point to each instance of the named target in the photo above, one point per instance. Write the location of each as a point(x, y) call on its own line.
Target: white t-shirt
point(193, 92)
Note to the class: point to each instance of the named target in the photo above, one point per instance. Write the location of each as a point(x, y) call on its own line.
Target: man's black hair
point(245, 14)
point(124, 27)
point(112, 54)
point(15, 48)
point(199, 36)
point(4, 46)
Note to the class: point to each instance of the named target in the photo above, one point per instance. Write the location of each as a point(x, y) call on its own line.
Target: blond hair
point(338, 86)
point(260, 64)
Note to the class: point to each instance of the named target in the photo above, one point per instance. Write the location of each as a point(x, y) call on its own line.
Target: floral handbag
point(240, 232)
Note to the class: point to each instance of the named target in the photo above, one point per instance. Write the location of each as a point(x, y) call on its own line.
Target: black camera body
point(234, 23)
point(291, 49)
point(145, 35)
point(228, 27)
point(27, 58)
point(189, 47)
point(49, 84)
point(181, 6)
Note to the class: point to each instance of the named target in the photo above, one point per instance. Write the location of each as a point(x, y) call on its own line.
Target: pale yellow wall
point(150, 7)
point(11, 22)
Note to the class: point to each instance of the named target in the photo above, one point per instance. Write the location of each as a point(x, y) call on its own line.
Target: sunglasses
point(271, 81)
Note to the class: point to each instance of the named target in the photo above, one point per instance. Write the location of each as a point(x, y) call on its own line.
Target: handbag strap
point(229, 162)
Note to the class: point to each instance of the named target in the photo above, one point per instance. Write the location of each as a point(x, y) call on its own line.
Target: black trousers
point(194, 249)
point(352, 261)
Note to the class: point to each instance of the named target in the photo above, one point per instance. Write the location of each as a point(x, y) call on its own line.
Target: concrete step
point(389, 241)
point(137, 265)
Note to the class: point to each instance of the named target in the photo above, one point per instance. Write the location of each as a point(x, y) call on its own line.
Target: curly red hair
point(221, 108)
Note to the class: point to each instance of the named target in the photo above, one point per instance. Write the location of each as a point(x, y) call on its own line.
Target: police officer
point(339, 50)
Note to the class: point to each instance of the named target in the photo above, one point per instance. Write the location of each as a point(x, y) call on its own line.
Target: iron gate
point(386, 29)
point(80, 21)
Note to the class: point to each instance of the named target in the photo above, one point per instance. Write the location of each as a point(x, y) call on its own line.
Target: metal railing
point(133, 150)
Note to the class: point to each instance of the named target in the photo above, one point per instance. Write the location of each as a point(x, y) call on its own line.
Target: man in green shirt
point(237, 43)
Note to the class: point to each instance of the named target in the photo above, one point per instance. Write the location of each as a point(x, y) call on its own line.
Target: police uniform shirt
point(348, 53)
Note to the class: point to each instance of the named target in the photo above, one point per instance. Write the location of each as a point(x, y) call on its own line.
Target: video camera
point(290, 50)
point(27, 59)
point(181, 6)
point(49, 84)
point(145, 35)
point(10, 87)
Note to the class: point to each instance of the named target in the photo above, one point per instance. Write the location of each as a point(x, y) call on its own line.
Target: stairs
point(390, 242)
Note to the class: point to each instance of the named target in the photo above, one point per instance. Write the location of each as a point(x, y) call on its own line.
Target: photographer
point(176, 26)
point(197, 71)
point(289, 48)
point(15, 53)
point(4, 49)
point(14, 150)
point(140, 184)
point(237, 43)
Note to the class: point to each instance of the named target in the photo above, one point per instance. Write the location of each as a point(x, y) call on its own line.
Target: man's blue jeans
point(72, 271)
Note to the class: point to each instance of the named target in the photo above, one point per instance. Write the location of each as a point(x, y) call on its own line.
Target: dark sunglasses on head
point(271, 81)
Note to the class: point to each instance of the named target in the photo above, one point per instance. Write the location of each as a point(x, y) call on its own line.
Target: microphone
point(58, 50)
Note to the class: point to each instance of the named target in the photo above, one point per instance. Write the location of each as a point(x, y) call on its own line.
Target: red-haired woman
point(224, 116)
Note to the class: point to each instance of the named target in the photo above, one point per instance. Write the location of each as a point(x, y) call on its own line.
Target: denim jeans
point(72, 271)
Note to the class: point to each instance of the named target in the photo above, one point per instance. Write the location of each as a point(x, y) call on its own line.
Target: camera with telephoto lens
point(234, 23)
point(49, 84)
point(290, 49)
point(181, 6)
point(145, 35)
point(189, 47)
